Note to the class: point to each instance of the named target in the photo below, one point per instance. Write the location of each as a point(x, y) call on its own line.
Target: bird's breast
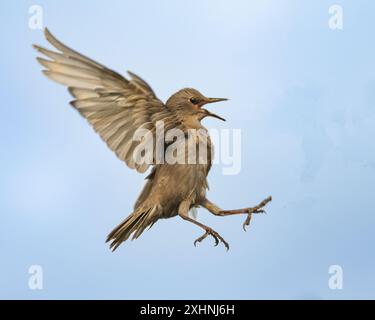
point(199, 149)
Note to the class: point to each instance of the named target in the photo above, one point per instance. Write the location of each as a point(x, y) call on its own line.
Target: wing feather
point(113, 105)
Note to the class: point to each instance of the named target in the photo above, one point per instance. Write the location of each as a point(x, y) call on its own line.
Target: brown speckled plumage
point(116, 107)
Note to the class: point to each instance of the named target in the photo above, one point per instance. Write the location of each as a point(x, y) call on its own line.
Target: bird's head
point(190, 102)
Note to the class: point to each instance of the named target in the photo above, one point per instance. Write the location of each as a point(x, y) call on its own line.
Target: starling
point(116, 107)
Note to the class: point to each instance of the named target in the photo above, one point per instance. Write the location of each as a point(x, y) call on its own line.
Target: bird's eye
point(194, 101)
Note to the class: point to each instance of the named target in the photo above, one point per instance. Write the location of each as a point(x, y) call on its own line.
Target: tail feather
point(143, 224)
point(134, 224)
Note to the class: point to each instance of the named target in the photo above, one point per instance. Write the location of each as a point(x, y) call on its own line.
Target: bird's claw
point(250, 212)
point(247, 222)
point(217, 237)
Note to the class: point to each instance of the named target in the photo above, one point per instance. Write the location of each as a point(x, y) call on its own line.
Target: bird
point(116, 107)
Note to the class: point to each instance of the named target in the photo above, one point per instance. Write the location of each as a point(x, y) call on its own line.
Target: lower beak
point(212, 100)
point(210, 114)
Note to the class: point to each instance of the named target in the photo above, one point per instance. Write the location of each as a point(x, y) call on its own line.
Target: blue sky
point(303, 96)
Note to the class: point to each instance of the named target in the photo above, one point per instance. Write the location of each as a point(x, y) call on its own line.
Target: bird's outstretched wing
point(115, 106)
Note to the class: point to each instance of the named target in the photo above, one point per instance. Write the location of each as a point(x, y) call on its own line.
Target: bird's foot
point(249, 215)
point(217, 237)
point(256, 209)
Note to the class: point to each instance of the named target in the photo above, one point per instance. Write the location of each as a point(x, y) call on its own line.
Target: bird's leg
point(183, 212)
point(249, 211)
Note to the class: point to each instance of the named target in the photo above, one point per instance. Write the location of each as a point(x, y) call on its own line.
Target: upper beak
point(212, 100)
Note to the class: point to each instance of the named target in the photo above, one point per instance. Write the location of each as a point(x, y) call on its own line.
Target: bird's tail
point(134, 224)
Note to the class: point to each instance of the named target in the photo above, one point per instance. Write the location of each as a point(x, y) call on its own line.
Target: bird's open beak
point(212, 100)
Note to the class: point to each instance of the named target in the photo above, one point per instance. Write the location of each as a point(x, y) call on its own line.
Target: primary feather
point(115, 106)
